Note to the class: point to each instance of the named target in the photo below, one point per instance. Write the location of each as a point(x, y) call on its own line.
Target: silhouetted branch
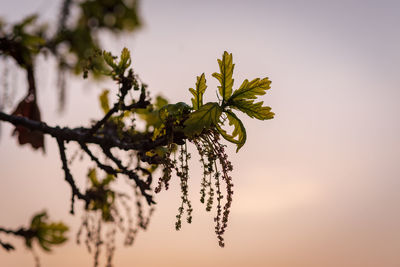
point(69, 178)
point(137, 141)
point(119, 105)
point(108, 169)
point(101, 122)
point(21, 232)
point(6, 246)
point(143, 186)
point(65, 11)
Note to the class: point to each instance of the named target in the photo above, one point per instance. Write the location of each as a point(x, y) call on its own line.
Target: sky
point(316, 186)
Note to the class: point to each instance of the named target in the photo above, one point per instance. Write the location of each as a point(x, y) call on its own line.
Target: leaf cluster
point(102, 197)
point(23, 41)
point(46, 233)
point(118, 68)
point(213, 114)
point(74, 40)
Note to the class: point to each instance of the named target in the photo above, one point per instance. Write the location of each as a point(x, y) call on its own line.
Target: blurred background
point(316, 186)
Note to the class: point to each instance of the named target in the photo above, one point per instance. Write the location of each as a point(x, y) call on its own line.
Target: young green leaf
point(202, 118)
point(109, 59)
point(107, 180)
point(175, 111)
point(125, 60)
point(238, 131)
point(104, 101)
point(51, 234)
point(250, 90)
point(93, 177)
point(151, 114)
point(32, 41)
point(27, 21)
point(225, 76)
point(197, 100)
point(47, 234)
point(253, 110)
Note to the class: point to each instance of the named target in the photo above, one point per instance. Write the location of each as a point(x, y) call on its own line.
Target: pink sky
point(316, 186)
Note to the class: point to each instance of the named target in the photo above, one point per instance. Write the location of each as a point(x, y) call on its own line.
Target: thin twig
point(69, 178)
point(143, 186)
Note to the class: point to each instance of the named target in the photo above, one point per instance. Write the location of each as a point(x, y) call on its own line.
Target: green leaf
point(109, 178)
point(18, 28)
point(109, 59)
point(37, 220)
point(175, 111)
point(51, 234)
point(151, 114)
point(202, 118)
point(125, 60)
point(93, 177)
point(225, 76)
point(43, 245)
point(253, 110)
point(32, 40)
point(239, 131)
point(201, 87)
point(46, 233)
point(250, 90)
point(160, 102)
point(104, 101)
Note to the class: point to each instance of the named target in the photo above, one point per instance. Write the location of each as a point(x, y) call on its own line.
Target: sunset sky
point(317, 186)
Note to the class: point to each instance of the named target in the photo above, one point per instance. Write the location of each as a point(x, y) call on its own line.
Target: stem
point(69, 178)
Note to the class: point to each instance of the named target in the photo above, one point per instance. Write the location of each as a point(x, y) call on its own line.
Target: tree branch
point(65, 11)
point(106, 168)
point(69, 178)
point(22, 232)
point(120, 106)
point(138, 141)
point(7, 246)
point(143, 186)
point(79, 135)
